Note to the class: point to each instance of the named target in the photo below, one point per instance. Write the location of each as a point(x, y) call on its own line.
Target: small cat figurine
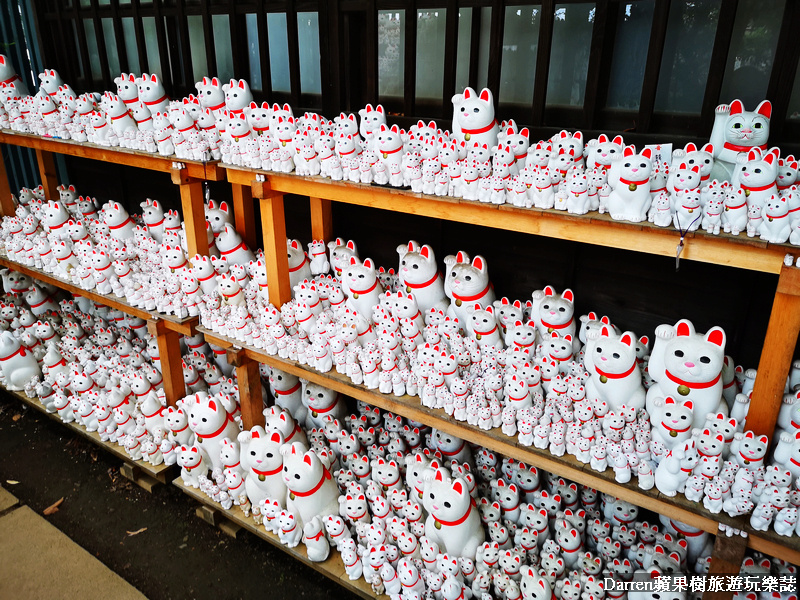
point(473, 118)
point(629, 179)
point(736, 130)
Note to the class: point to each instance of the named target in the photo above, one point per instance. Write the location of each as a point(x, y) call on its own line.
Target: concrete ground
point(153, 541)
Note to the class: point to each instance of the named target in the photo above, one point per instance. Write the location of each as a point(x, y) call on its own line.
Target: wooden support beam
point(776, 355)
point(273, 226)
point(193, 213)
point(725, 560)
point(244, 213)
point(169, 350)
point(250, 401)
point(7, 207)
point(47, 171)
point(321, 219)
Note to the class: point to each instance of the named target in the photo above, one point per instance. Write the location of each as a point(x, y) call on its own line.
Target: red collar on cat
point(616, 375)
point(758, 188)
point(325, 475)
point(417, 286)
point(287, 392)
point(458, 521)
point(551, 326)
point(481, 130)
point(477, 296)
point(374, 285)
point(219, 431)
point(696, 386)
point(268, 473)
point(737, 148)
point(300, 266)
point(628, 182)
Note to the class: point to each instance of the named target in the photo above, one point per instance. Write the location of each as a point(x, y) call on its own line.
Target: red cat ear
point(716, 336)
point(486, 95)
point(736, 107)
point(764, 109)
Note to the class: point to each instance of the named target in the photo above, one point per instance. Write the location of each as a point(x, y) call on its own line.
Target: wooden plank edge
point(677, 508)
point(185, 326)
point(121, 156)
point(333, 568)
point(591, 228)
point(161, 473)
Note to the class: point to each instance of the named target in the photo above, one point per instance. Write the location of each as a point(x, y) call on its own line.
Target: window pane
point(151, 44)
point(129, 35)
point(630, 54)
point(752, 51)
point(110, 39)
point(391, 52)
point(430, 53)
point(197, 44)
point(691, 28)
point(483, 46)
point(463, 47)
point(91, 44)
point(78, 54)
point(569, 54)
point(520, 46)
point(223, 47)
point(278, 52)
point(794, 102)
point(253, 52)
point(308, 40)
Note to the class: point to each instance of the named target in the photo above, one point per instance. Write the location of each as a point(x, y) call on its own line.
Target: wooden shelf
point(678, 507)
point(185, 326)
point(333, 568)
point(119, 156)
point(162, 473)
point(593, 228)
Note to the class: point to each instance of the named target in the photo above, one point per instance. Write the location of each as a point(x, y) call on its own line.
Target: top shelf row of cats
point(734, 183)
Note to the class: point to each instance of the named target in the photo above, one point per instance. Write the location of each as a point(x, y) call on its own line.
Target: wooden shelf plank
point(593, 228)
point(185, 326)
point(677, 508)
point(333, 568)
point(120, 156)
point(162, 472)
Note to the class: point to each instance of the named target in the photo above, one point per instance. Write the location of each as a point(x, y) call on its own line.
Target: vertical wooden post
point(249, 378)
point(776, 355)
point(47, 171)
point(726, 560)
point(273, 227)
point(194, 216)
point(321, 219)
point(7, 207)
point(244, 213)
point(169, 350)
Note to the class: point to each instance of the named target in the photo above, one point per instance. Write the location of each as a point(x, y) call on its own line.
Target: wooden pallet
point(139, 472)
point(333, 568)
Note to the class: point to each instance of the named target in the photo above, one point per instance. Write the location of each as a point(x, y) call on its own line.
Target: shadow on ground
point(177, 556)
